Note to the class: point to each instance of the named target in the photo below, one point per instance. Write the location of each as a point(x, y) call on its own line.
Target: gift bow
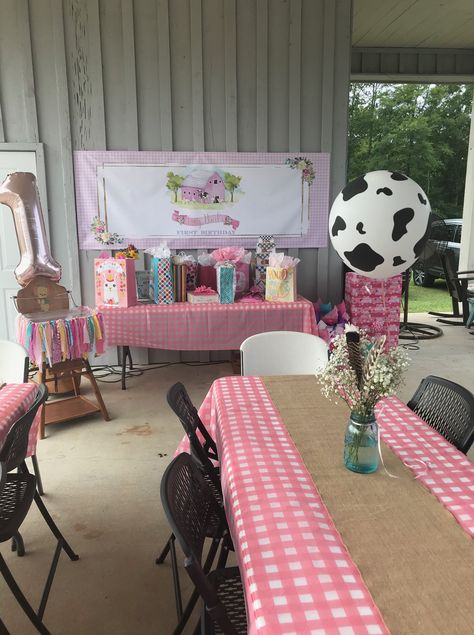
point(203, 290)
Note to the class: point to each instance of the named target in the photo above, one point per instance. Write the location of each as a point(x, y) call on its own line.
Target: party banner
point(201, 199)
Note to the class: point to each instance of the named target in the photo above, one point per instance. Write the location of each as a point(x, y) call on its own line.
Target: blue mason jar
point(361, 452)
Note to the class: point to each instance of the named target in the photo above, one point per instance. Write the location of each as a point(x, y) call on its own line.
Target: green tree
point(231, 183)
point(419, 129)
point(173, 183)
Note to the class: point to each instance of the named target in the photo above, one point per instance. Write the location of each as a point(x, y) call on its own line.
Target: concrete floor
point(102, 487)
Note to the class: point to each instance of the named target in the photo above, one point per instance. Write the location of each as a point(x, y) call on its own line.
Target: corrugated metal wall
point(213, 75)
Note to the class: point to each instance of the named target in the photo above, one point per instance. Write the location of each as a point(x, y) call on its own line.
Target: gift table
point(202, 327)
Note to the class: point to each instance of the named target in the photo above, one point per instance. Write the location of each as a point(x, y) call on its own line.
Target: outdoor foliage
point(418, 129)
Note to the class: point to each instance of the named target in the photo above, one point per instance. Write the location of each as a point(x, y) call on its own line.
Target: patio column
point(466, 256)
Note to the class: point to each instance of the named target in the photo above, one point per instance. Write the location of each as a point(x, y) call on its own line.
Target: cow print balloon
point(379, 223)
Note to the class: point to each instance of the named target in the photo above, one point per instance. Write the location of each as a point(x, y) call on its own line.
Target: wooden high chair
point(44, 300)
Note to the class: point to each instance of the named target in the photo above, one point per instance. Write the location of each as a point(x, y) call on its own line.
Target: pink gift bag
point(115, 282)
point(207, 276)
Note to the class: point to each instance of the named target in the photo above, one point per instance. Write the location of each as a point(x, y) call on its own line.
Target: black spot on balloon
point(357, 186)
point(398, 176)
point(363, 257)
point(398, 261)
point(421, 199)
point(360, 228)
point(400, 222)
point(418, 248)
point(339, 225)
point(385, 190)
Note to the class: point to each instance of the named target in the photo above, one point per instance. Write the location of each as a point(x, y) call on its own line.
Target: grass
point(424, 299)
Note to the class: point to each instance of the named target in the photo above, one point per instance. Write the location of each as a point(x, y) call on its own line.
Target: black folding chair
point(16, 496)
point(204, 452)
point(191, 508)
point(457, 285)
point(448, 408)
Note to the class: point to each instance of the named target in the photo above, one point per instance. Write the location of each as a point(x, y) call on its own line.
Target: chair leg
point(166, 549)
point(41, 380)
point(3, 629)
point(90, 376)
point(49, 579)
point(21, 599)
point(187, 613)
point(18, 545)
point(170, 547)
point(177, 588)
point(195, 594)
point(54, 528)
point(36, 470)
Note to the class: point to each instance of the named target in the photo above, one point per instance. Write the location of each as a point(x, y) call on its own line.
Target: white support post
point(466, 255)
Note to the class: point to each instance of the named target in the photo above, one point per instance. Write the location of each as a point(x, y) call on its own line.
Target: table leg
point(126, 353)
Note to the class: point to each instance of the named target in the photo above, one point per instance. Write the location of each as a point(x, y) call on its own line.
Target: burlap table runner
point(416, 560)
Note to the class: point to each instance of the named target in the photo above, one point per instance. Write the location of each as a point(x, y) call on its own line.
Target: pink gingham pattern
point(374, 305)
point(86, 163)
point(272, 506)
point(15, 400)
point(299, 578)
point(442, 469)
point(203, 327)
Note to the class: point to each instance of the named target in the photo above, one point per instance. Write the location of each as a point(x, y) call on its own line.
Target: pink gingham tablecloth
point(189, 327)
point(444, 470)
point(273, 509)
point(299, 578)
point(15, 400)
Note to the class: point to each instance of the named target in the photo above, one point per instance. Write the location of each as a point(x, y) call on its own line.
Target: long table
point(323, 550)
point(15, 400)
point(201, 327)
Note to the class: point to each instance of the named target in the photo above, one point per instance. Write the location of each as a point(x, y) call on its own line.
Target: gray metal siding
point(247, 75)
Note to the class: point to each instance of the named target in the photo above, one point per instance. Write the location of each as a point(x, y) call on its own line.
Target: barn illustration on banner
point(204, 186)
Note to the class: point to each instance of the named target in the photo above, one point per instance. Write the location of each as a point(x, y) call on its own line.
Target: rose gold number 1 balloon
point(20, 193)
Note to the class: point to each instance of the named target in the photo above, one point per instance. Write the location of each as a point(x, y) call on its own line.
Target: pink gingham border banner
point(87, 207)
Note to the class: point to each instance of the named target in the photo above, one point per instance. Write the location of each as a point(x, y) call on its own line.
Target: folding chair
point(448, 408)
point(16, 496)
point(191, 507)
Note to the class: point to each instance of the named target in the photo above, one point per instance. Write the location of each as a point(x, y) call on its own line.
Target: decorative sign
point(201, 199)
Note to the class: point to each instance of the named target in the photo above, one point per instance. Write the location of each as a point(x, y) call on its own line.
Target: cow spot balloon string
point(427, 465)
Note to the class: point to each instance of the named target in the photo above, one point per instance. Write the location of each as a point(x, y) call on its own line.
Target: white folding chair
point(14, 366)
point(13, 363)
point(283, 353)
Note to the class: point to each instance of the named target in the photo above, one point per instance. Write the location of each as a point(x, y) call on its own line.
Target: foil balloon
point(20, 193)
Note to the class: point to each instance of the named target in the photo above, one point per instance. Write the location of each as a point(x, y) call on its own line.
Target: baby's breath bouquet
point(361, 371)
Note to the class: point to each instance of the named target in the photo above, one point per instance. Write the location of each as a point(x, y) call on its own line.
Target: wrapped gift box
point(202, 298)
point(115, 282)
point(374, 305)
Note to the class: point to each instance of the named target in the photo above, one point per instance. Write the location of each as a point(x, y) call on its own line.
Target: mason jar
point(361, 452)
